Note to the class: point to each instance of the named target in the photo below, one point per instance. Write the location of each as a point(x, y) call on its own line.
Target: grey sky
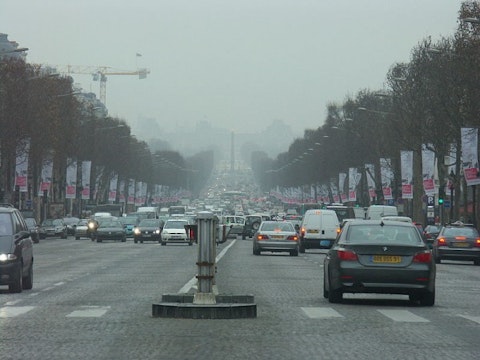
point(232, 63)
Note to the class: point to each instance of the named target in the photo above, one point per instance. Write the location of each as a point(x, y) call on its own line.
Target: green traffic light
point(440, 201)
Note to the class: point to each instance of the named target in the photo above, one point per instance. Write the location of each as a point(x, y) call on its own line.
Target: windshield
point(175, 225)
point(150, 222)
point(5, 224)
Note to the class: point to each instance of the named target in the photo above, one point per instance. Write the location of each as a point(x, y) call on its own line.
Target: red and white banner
point(21, 166)
point(428, 170)
point(386, 172)
point(406, 159)
point(470, 155)
point(86, 171)
point(71, 179)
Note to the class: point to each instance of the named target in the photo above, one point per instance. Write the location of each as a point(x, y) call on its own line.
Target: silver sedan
point(276, 236)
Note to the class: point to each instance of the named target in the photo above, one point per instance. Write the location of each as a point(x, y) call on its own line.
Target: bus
point(176, 210)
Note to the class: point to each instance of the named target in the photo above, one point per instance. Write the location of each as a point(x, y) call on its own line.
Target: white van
point(319, 229)
point(152, 211)
point(376, 212)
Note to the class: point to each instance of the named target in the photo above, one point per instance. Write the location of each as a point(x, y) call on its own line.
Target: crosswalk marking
point(320, 312)
point(402, 316)
point(12, 311)
point(472, 318)
point(90, 311)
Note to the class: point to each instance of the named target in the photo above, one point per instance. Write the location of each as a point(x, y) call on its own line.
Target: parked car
point(374, 256)
point(110, 229)
point(81, 229)
point(457, 241)
point(148, 230)
point(252, 223)
point(276, 236)
point(34, 229)
point(71, 221)
point(174, 232)
point(53, 227)
point(16, 251)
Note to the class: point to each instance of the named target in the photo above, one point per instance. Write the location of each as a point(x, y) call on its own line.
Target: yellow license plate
point(460, 244)
point(385, 259)
point(312, 231)
point(277, 236)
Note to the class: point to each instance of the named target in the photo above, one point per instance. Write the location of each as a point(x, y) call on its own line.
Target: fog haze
point(234, 65)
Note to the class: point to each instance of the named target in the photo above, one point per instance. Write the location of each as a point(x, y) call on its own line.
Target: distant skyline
point(234, 64)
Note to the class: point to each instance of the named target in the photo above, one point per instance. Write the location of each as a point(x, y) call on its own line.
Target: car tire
point(294, 252)
point(325, 291)
point(243, 237)
point(190, 243)
point(124, 239)
point(255, 226)
point(27, 282)
point(476, 262)
point(163, 243)
point(99, 240)
point(335, 296)
point(17, 286)
point(438, 260)
point(256, 251)
point(427, 299)
point(64, 235)
point(141, 241)
point(301, 248)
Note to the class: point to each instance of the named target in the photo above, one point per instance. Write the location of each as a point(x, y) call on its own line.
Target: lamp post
point(451, 186)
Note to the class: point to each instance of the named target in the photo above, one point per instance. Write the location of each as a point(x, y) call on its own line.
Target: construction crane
point(99, 73)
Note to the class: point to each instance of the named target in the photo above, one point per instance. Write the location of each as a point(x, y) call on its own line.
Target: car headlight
point(157, 231)
point(7, 257)
point(136, 231)
point(91, 225)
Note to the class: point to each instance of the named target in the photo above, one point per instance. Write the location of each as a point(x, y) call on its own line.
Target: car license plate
point(324, 242)
point(460, 244)
point(147, 235)
point(312, 231)
point(386, 259)
point(277, 237)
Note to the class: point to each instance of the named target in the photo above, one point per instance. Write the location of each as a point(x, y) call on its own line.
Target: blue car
point(129, 222)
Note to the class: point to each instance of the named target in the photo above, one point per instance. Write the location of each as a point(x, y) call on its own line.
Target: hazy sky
point(235, 64)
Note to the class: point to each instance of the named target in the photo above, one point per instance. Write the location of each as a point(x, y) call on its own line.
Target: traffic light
point(441, 196)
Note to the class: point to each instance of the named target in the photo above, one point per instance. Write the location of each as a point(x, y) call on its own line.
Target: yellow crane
point(99, 73)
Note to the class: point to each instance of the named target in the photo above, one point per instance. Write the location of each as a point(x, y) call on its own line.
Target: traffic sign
point(446, 204)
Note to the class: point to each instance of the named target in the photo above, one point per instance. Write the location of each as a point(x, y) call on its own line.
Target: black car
point(33, 228)
point(16, 251)
point(380, 256)
point(148, 230)
point(457, 241)
point(430, 233)
point(111, 229)
point(252, 223)
point(53, 227)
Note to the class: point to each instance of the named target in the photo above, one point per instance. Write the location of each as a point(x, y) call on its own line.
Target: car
point(70, 221)
point(95, 220)
point(53, 227)
point(296, 220)
point(457, 241)
point(33, 228)
point(81, 229)
point(148, 230)
point(319, 229)
point(129, 221)
point(16, 251)
point(430, 233)
point(174, 232)
point(234, 224)
point(375, 256)
point(252, 223)
point(110, 229)
point(276, 236)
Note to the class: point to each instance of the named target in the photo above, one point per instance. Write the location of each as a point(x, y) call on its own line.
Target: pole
point(474, 205)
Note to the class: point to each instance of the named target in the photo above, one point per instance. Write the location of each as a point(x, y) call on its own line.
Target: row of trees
point(57, 121)
point(428, 101)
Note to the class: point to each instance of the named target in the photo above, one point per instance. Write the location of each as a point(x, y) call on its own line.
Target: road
point(94, 301)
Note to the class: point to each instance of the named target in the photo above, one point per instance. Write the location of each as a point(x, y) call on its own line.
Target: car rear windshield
point(460, 231)
point(280, 226)
point(372, 233)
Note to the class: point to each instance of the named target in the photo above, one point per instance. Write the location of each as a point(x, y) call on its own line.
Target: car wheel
point(325, 291)
point(243, 237)
point(27, 282)
point(301, 248)
point(427, 299)
point(17, 286)
point(476, 262)
point(335, 296)
point(190, 243)
point(141, 241)
point(294, 252)
point(438, 260)
point(256, 251)
point(255, 226)
point(64, 235)
point(163, 243)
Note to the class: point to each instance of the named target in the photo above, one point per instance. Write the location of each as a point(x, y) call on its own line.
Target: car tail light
point(442, 241)
point(423, 257)
point(477, 243)
point(293, 237)
point(347, 255)
point(302, 231)
point(338, 230)
point(262, 237)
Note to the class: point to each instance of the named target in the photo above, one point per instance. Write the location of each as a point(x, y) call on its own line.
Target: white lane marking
point(48, 288)
point(59, 284)
point(402, 316)
point(320, 312)
point(193, 281)
point(14, 302)
point(472, 318)
point(89, 311)
point(12, 311)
